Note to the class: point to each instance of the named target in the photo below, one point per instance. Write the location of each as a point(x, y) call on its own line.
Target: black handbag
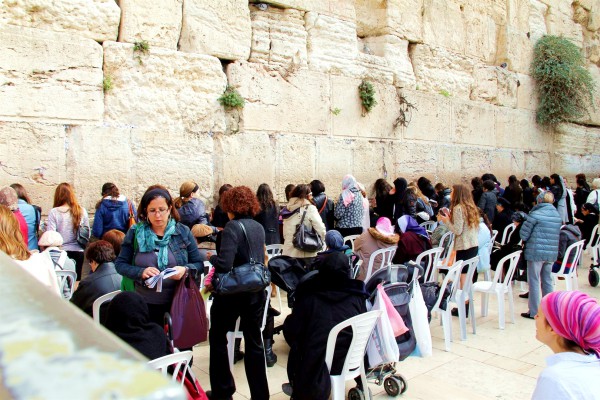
point(305, 238)
point(250, 277)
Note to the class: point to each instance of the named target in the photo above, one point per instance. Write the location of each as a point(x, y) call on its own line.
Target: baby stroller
point(397, 284)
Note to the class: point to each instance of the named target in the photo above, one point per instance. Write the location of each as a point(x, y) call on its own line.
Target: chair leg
point(472, 314)
point(279, 298)
point(447, 325)
point(363, 378)
point(511, 305)
point(338, 387)
point(484, 304)
point(500, 310)
point(230, 348)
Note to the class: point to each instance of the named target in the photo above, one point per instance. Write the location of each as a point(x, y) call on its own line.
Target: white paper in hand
point(156, 280)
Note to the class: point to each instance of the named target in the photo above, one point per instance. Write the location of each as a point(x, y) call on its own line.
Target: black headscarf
point(400, 184)
point(128, 318)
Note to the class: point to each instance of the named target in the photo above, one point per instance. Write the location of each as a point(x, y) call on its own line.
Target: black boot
point(237, 353)
point(270, 357)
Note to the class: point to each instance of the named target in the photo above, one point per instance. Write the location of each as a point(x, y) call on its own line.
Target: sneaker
point(527, 315)
point(524, 295)
point(287, 389)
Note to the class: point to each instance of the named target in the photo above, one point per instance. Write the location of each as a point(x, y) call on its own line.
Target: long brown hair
point(461, 196)
point(21, 192)
point(185, 193)
point(11, 239)
point(65, 195)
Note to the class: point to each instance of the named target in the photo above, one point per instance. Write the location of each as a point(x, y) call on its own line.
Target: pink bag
point(396, 320)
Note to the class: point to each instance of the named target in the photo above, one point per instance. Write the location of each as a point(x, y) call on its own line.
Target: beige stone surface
point(443, 25)
point(333, 162)
point(49, 76)
point(156, 21)
point(560, 23)
point(517, 129)
point(482, 20)
point(395, 52)
point(296, 160)
point(405, 19)
point(537, 162)
point(331, 42)
point(93, 19)
point(371, 17)
point(576, 139)
point(495, 85)
point(526, 95)
point(220, 28)
point(473, 123)
point(593, 118)
point(430, 120)
point(371, 160)
point(164, 89)
point(300, 103)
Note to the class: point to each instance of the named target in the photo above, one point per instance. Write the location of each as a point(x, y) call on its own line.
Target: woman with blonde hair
point(11, 242)
point(423, 207)
point(66, 218)
point(191, 209)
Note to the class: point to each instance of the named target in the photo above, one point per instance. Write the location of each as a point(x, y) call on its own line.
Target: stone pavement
point(492, 364)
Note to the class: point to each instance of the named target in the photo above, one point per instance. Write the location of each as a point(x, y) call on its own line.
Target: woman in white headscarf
point(349, 210)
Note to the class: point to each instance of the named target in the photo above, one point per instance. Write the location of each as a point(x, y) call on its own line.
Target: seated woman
point(413, 240)
point(51, 244)
point(335, 244)
point(512, 245)
point(503, 218)
point(322, 302)
point(569, 323)
point(589, 220)
point(373, 239)
point(102, 280)
point(569, 234)
point(206, 240)
point(127, 317)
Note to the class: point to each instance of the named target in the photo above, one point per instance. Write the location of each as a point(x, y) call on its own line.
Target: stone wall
point(80, 104)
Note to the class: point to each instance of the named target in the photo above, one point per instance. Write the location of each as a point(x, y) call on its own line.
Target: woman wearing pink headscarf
point(349, 211)
point(569, 323)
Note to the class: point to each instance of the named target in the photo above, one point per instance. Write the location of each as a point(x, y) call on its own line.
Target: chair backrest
point(513, 259)
point(429, 226)
point(446, 242)
point(508, 231)
point(453, 276)
point(180, 362)
point(351, 239)
point(471, 263)
point(99, 301)
point(362, 325)
point(594, 244)
point(431, 258)
point(572, 253)
point(356, 269)
point(274, 250)
point(493, 240)
point(385, 258)
point(66, 282)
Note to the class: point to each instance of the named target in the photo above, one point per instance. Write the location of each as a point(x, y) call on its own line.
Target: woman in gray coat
point(540, 233)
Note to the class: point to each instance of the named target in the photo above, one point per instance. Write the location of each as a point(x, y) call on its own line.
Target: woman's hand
point(150, 272)
point(180, 273)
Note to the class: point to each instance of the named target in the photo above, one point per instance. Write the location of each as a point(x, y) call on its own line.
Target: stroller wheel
point(356, 394)
point(394, 385)
point(593, 277)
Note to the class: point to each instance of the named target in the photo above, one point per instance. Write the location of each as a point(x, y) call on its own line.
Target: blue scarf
point(148, 241)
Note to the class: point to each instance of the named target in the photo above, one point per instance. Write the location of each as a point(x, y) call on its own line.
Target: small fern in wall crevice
point(366, 92)
point(231, 98)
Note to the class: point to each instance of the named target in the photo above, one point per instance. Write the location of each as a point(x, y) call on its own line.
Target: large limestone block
point(443, 25)
point(473, 123)
point(245, 159)
point(220, 28)
point(93, 19)
point(371, 17)
point(49, 76)
point(517, 129)
point(372, 67)
point(163, 89)
point(378, 123)
point(495, 85)
point(139, 22)
point(508, 162)
point(526, 95)
point(569, 165)
point(333, 162)
point(413, 159)
point(537, 163)
point(474, 161)
point(332, 43)
point(561, 23)
point(371, 160)
point(515, 49)
point(537, 20)
point(296, 160)
point(395, 51)
point(342, 9)
point(577, 139)
point(430, 120)
point(448, 164)
point(300, 103)
point(405, 19)
point(279, 39)
point(481, 21)
point(438, 70)
point(593, 118)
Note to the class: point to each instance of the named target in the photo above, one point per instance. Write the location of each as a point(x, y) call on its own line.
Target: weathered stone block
point(429, 121)
point(413, 159)
point(473, 123)
point(299, 103)
point(395, 52)
point(371, 17)
point(537, 163)
point(481, 21)
point(515, 49)
point(377, 123)
point(333, 162)
point(526, 95)
point(537, 20)
point(405, 19)
point(506, 163)
point(517, 129)
point(279, 39)
point(332, 44)
point(296, 161)
point(220, 28)
point(475, 161)
point(561, 24)
point(495, 85)
point(443, 25)
point(139, 22)
point(93, 19)
point(49, 76)
point(371, 160)
point(576, 139)
point(593, 118)
point(163, 89)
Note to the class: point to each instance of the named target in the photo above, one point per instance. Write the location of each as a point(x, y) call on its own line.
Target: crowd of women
point(131, 244)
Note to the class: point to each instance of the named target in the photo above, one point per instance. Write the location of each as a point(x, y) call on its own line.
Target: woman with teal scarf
point(158, 242)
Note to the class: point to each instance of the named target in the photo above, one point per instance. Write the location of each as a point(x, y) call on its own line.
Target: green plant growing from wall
point(139, 48)
point(231, 98)
point(336, 111)
point(445, 93)
point(107, 83)
point(367, 96)
point(564, 86)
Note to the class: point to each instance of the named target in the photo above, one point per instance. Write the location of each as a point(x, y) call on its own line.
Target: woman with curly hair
point(241, 238)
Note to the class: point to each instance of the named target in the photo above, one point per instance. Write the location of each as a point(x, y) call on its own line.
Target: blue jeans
point(535, 271)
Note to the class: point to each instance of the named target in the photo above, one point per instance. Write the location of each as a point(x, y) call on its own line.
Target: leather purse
point(250, 277)
point(305, 238)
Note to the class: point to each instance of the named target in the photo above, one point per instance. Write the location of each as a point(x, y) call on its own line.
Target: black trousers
point(224, 312)
point(77, 256)
point(349, 231)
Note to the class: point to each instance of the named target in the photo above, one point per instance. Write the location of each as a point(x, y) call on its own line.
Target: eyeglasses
point(159, 211)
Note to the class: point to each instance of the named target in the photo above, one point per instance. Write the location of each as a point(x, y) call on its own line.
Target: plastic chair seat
point(99, 301)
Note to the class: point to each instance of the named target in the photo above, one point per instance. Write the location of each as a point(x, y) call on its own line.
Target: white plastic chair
point(237, 334)
point(385, 258)
point(429, 226)
point(499, 287)
point(356, 270)
point(571, 277)
point(99, 301)
point(275, 250)
point(362, 325)
point(461, 295)
point(452, 277)
point(180, 362)
point(351, 239)
point(487, 274)
point(66, 282)
point(444, 260)
point(432, 258)
point(508, 231)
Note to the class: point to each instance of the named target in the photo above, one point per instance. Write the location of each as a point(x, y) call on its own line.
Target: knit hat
point(384, 226)
point(9, 198)
point(574, 316)
point(519, 216)
point(201, 230)
point(334, 240)
point(51, 239)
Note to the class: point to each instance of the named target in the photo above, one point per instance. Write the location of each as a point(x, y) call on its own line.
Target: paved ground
point(491, 364)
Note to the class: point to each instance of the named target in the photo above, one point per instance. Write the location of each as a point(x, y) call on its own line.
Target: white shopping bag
point(382, 347)
point(420, 324)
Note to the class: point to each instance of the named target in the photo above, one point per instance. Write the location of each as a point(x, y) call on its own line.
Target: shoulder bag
point(83, 235)
point(188, 313)
point(250, 277)
point(305, 238)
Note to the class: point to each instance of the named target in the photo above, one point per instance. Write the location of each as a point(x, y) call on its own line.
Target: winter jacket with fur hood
point(369, 242)
point(291, 218)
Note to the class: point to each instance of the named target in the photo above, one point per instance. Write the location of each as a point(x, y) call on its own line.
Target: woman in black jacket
point(323, 203)
point(241, 205)
point(268, 216)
